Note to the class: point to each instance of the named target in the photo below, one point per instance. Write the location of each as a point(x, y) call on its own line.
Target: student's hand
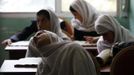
point(6, 42)
point(90, 39)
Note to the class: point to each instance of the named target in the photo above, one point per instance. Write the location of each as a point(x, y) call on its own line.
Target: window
point(104, 6)
point(25, 5)
point(61, 7)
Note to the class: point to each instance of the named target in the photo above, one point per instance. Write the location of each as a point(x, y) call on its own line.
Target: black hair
point(44, 13)
point(72, 9)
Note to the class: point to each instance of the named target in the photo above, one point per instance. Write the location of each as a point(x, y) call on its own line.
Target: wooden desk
point(85, 44)
point(17, 50)
point(91, 48)
point(8, 67)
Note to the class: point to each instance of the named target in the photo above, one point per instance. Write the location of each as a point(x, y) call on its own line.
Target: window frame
point(58, 11)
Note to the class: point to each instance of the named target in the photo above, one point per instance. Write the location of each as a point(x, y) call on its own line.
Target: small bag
point(119, 46)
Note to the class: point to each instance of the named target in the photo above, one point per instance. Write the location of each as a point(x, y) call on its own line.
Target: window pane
point(25, 5)
point(100, 5)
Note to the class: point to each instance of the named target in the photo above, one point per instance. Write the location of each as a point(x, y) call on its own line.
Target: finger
point(8, 43)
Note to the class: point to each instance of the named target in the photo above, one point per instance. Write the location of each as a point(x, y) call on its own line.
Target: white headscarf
point(67, 59)
point(63, 58)
point(32, 50)
point(88, 13)
point(106, 23)
point(55, 22)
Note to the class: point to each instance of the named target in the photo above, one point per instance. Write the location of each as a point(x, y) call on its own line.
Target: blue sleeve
point(25, 33)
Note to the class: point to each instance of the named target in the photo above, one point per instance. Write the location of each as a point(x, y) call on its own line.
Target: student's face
point(43, 23)
point(77, 16)
point(41, 39)
point(108, 36)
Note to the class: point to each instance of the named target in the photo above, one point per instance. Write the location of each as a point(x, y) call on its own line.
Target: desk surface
point(21, 45)
point(86, 44)
point(8, 65)
point(19, 48)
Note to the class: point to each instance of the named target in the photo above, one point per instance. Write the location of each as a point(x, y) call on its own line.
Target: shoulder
point(34, 22)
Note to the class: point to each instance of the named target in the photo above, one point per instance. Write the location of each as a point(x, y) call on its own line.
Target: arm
point(91, 39)
point(25, 33)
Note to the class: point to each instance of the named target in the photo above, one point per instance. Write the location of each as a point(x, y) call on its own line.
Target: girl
point(84, 18)
point(111, 32)
point(60, 57)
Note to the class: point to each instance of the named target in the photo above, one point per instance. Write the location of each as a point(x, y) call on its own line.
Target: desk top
point(86, 44)
point(20, 45)
point(23, 45)
point(8, 66)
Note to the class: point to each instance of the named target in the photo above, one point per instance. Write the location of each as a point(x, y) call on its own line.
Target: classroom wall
point(131, 16)
point(8, 27)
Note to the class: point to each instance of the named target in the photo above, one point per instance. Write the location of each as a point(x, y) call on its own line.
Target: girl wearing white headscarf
point(52, 23)
point(61, 57)
point(44, 39)
point(84, 18)
point(111, 32)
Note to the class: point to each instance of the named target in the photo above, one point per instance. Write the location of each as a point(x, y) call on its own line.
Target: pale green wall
point(131, 16)
point(8, 27)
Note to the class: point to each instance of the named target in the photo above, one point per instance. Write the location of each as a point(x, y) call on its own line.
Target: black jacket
point(27, 31)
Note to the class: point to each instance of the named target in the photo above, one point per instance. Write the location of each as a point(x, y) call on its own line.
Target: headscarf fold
point(106, 23)
point(88, 13)
point(68, 59)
